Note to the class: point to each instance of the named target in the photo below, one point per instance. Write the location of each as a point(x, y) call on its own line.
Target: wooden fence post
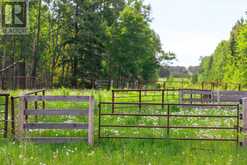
point(181, 95)
point(112, 84)
point(218, 96)
point(21, 118)
point(90, 121)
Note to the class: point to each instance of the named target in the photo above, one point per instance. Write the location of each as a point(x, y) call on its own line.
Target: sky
point(193, 28)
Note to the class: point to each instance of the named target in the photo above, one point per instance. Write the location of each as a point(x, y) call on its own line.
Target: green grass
point(125, 152)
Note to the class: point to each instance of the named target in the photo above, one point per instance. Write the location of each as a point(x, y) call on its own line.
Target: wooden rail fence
point(24, 125)
point(193, 96)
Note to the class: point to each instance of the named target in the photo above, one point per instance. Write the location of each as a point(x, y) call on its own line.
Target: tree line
point(228, 63)
point(75, 42)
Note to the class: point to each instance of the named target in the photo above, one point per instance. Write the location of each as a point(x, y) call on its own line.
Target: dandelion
point(91, 153)
point(40, 163)
point(20, 156)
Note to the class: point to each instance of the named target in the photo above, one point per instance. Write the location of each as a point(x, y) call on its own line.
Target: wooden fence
point(24, 125)
point(15, 101)
point(209, 96)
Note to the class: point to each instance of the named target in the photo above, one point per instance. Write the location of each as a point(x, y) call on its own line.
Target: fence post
point(90, 121)
point(218, 96)
point(13, 116)
point(163, 98)
point(112, 84)
point(181, 95)
point(99, 129)
point(113, 101)
point(21, 119)
point(202, 85)
point(43, 102)
point(244, 102)
point(140, 99)
point(164, 85)
point(168, 120)
point(36, 107)
point(191, 97)
point(26, 107)
point(6, 116)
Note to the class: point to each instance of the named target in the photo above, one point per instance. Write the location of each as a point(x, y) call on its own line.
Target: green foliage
point(228, 62)
point(73, 43)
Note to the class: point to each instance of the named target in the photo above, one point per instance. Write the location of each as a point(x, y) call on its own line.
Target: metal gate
point(4, 101)
point(208, 122)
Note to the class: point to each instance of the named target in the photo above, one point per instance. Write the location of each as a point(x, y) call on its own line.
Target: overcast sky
point(193, 28)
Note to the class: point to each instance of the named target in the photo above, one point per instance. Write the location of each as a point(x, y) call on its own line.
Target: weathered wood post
point(218, 96)
point(181, 95)
point(21, 119)
point(90, 121)
point(244, 103)
point(111, 84)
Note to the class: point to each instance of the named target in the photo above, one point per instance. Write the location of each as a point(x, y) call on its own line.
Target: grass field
point(125, 152)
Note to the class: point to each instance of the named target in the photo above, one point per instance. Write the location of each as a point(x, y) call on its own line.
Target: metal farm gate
point(208, 122)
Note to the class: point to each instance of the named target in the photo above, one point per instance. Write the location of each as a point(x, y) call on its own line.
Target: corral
point(186, 111)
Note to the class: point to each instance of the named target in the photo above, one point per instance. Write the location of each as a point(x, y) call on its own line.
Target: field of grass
point(125, 152)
